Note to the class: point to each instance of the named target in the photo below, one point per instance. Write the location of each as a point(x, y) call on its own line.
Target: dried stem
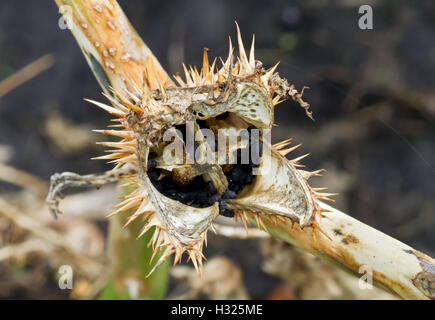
point(60, 182)
point(25, 74)
point(351, 244)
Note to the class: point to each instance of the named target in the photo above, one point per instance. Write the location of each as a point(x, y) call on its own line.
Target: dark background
point(371, 94)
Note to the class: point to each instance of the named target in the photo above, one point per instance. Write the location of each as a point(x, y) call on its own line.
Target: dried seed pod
point(236, 98)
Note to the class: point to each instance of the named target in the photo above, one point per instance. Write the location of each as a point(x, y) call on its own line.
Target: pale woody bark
point(351, 244)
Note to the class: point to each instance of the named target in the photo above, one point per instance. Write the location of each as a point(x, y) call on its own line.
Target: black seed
point(249, 179)
point(229, 194)
point(211, 188)
point(227, 213)
point(222, 205)
point(202, 124)
point(214, 198)
point(170, 184)
point(192, 195)
point(171, 191)
point(237, 174)
point(201, 197)
point(153, 175)
point(152, 163)
point(237, 188)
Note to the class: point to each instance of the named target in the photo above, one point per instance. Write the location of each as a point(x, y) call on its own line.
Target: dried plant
point(238, 95)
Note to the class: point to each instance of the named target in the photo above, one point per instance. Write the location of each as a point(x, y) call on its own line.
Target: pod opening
point(199, 193)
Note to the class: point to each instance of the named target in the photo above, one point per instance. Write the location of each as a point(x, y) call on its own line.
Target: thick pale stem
point(116, 54)
point(361, 249)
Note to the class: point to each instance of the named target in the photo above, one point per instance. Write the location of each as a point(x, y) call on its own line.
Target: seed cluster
point(201, 194)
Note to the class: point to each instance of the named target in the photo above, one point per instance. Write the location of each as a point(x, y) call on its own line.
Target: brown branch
point(60, 182)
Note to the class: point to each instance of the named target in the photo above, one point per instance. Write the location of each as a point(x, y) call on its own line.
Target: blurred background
point(371, 93)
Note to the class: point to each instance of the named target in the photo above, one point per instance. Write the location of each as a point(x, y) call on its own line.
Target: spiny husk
point(242, 88)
